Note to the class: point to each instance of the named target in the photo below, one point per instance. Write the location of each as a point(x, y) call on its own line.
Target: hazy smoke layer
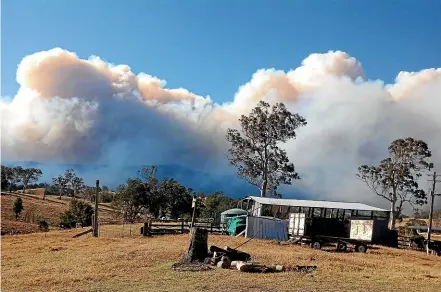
point(89, 111)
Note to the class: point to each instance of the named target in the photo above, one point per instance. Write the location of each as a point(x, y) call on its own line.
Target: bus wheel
point(316, 244)
point(360, 248)
point(341, 246)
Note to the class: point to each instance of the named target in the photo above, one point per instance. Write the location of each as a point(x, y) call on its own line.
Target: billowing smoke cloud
point(89, 111)
point(80, 111)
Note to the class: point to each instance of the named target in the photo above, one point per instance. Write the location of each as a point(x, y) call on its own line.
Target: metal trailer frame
point(434, 246)
point(342, 243)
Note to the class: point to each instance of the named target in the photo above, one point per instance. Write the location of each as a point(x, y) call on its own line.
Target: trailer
point(342, 244)
point(352, 233)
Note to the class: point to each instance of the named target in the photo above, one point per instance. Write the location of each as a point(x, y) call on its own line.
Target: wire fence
point(156, 227)
point(120, 230)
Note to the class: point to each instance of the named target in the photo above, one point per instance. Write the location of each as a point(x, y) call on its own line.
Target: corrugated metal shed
point(315, 204)
point(266, 228)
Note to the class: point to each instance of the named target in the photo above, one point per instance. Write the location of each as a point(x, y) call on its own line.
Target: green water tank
point(232, 213)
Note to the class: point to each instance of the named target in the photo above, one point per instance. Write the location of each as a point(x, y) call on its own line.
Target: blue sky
point(213, 47)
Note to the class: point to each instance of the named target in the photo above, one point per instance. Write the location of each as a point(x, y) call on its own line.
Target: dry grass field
point(34, 210)
point(57, 262)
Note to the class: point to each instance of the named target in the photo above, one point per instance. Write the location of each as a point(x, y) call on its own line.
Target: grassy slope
point(34, 210)
point(37, 209)
point(56, 262)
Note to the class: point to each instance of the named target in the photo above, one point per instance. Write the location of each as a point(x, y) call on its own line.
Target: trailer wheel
point(316, 244)
point(341, 246)
point(360, 248)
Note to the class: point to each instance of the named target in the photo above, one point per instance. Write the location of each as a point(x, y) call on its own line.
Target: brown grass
point(34, 210)
point(39, 192)
point(56, 262)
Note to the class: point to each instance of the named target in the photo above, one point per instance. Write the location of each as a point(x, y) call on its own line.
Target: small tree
point(131, 199)
point(79, 212)
point(216, 203)
point(61, 184)
point(28, 176)
point(77, 184)
point(18, 207)
point(106, 195)
point(396, 177)
point(139, 196)
point(6, 173)
point(16, 175)
point(43, 226)
point(69, 176)
point(154, 199)
point(89, 193)
point(173, 198)
point(255, 148)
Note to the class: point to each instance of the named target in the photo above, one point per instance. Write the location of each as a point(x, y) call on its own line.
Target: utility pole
point(432, 199)
point(95, 215)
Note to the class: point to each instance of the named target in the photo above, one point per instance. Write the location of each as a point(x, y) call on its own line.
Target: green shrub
point(79, 212)
point(18, 207)
point(43, 226)
point(106, 197)
point(51, 190)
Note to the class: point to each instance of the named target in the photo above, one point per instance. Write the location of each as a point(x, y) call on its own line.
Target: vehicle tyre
point(360, 248)
point(316, 244)
point(341, 246)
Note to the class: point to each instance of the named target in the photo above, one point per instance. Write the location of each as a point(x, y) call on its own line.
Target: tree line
point(143, 196)
point(14, 177)
point(149, 196)
point(68, 184)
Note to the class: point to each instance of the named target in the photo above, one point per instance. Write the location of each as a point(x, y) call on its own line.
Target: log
point(197, 245)
point(276, 268)
point(226, 261)
point(216, 249)
point(242, 266)
point(233, 254)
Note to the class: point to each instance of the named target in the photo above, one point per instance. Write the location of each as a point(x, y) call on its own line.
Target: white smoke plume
point(88, 111)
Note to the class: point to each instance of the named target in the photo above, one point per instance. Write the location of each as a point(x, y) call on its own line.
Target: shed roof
point(234, 212)
point(316, 204)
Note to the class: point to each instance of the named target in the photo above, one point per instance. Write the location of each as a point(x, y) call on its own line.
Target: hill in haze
point(112, 176)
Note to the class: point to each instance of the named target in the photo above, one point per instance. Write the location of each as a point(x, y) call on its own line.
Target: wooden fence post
point(144, 229)
point(95, 221)
point(182, 227)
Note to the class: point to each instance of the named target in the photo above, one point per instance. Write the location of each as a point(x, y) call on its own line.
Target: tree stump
point(197, 246)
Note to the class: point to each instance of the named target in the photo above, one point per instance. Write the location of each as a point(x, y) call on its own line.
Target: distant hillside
point(36, 209)
point(112, 176)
